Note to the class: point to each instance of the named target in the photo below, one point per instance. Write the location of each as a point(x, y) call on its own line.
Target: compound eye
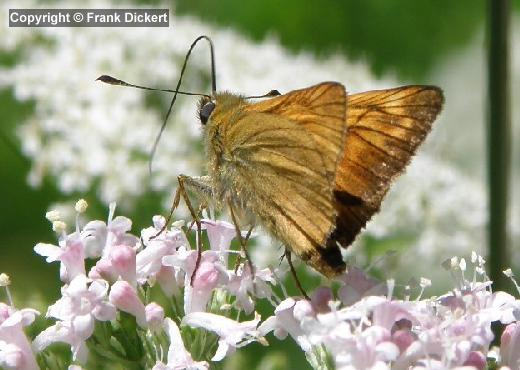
point(206, 111)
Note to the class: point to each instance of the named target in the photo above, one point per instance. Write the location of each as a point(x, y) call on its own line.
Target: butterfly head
point(221, 106)
point(206, 107)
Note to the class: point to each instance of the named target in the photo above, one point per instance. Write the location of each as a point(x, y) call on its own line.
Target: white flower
point(372, 349)
point(288, 320)
point(149, 260)
point(82, 303)
point(63, 331)
point(86, 132)
point(243, 285)
point(178, 356)
point(154, 314)
point(232, 334)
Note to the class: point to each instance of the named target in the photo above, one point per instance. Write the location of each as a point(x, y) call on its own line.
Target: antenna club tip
point(109, 80)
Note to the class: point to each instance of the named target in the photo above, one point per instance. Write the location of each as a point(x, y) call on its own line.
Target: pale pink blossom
point(170, 280)
point(82, 303)
point(100, 237)
point(210, 274)
point(370, 349)
point(70, 253)
point(287, 320)
point(103, 269)
point(154, 315)
point(388, 313)
point(220, 235)
point(15, 347)
point(12, 357)
point(366, 328)
point(357, 284)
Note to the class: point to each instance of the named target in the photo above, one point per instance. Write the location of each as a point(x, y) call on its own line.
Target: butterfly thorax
point(222, 160)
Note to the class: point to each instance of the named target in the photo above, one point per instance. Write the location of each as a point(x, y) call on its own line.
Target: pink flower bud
point(302, 309)
point(402, 338)
point(209, 275)
point(206, 277)
point(154, 316)
point(167, 280)
point(5, 312)
point(509, 343)
point(73, 260)
point(477, 360)
point(320, 299)
point(13, 357)
point(124, 297)
point(103, 270)
point(123, 261)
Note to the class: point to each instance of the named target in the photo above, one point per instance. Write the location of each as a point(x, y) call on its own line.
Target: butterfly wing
point(317, 109)
point(283, 155)
point(384, 130)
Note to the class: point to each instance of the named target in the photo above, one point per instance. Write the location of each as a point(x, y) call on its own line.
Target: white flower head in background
point(84, 133)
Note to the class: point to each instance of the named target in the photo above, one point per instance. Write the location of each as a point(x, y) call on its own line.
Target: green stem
point(499, 137)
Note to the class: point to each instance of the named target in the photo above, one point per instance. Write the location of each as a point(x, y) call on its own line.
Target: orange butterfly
point(311, 166)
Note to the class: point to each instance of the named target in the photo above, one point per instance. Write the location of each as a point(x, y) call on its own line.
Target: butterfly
point(311, 166)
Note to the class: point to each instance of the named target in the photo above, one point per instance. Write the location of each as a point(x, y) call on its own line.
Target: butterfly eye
point(206, 111)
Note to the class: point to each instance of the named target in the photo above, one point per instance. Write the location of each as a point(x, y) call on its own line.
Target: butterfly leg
point(201, 187)
point(175, 204)
point(293, 273)
point(246, 239)
point(243, 242)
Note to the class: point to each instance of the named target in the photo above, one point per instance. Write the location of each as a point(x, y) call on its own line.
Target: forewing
point(384, 129)
point(285, 153)
point(320, 110)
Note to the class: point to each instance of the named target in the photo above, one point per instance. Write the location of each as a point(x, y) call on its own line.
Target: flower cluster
point(125, 270)
point(358, 323)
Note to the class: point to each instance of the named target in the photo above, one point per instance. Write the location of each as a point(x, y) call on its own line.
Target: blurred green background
point(408, 39)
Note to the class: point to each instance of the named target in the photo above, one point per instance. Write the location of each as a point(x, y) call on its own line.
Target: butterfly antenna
point(213, 90)
point(115, 81)
point(270, 94)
